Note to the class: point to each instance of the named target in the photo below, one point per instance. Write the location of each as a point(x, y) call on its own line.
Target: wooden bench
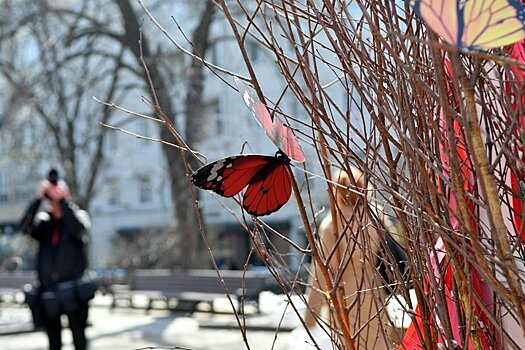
point(183, 290)
point(11, 284)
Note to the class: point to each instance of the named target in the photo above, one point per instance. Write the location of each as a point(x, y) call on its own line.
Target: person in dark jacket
point(61, 232)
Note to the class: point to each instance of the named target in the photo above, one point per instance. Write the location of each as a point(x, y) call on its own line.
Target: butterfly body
point(474, 24)
point(266, 179)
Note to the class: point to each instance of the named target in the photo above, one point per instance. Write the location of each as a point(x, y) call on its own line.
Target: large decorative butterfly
point(474, 24)
point(266, 179)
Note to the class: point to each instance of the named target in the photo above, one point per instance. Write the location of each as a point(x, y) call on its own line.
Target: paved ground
point(125, 328)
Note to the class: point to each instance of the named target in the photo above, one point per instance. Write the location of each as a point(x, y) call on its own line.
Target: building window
point(216, 125)
point(113, 192)
point(253, 51)
point(214, 53)
point(3, 188)
point(220, 124)
point(145, 190)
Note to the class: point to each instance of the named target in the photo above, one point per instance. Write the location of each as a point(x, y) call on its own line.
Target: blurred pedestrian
point(61, 230)
point(353, 241)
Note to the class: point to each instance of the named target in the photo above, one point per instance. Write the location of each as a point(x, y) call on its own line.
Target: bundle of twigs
point(436, 133)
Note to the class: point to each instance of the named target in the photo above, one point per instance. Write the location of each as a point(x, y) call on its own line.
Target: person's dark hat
point(52, 176)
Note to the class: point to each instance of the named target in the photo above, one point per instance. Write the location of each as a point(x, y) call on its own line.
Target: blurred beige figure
point(355, 261)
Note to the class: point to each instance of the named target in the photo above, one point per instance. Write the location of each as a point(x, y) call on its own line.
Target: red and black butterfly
point(266, 178)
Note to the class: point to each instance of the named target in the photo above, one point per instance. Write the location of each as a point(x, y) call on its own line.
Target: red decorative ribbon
point(411, 340)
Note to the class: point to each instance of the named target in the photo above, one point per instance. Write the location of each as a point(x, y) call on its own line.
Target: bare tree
point(73, 42)
point(55, 79)
point(413, 128)
point(187, 223)
point(376, 95)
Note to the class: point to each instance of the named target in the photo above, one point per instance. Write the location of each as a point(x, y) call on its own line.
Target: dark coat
point(62, 254)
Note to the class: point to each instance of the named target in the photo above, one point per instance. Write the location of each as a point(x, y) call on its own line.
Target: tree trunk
point(190, 244)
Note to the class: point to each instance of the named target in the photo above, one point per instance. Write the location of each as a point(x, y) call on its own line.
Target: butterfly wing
point(228, 176)
point(433, 13)
point(286, 141)
point(481, 24)
point(258, 109)
point(493, 23)
point(267, 178)
point(281, 135)
point(268, 193)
